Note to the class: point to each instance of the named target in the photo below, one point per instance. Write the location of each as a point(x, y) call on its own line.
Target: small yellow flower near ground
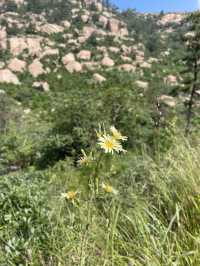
point(70, 195)
point(109, 144)
point(109, 189)
point(117, 134)
point(85, 159)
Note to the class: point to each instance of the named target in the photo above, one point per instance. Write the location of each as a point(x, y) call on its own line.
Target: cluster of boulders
point(171, 18)
point(36, 52)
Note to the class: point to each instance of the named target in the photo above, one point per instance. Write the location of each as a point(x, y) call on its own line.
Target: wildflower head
point(117, 135)
point(85, 159)
point(70, 195)
point(109, 144)
point(109, 189)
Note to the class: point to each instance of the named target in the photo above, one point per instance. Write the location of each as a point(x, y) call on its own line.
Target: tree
point(192, 64)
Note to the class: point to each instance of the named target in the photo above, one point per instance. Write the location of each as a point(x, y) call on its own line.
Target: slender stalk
point(96, 175)
point(191, 101)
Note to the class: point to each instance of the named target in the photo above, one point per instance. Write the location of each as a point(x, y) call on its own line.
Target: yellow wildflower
point(109, 144)
point(109, 189)
point(70, 195)
point(85, 159)
point(117, 135)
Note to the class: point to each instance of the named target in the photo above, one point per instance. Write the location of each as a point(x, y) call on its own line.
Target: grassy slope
point(154, 220)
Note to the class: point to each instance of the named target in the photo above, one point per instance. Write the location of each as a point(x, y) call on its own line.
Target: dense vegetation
point(64, 200)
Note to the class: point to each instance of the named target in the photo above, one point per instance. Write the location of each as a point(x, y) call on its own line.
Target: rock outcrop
point(3, 38)
point(41, 85)
point(74, 66)
point(17, 65)
point(36, 68)
point(6, 76)
point(107, 62)
point(84, 55)
point(68, 58)
point(98, 78)
point(168, 100)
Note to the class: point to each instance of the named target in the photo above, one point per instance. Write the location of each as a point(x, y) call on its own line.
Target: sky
point(159, 5)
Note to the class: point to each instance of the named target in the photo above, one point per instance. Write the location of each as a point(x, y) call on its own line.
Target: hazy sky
point(158, 5)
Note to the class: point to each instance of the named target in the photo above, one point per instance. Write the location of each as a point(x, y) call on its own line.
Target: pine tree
point(192, 64)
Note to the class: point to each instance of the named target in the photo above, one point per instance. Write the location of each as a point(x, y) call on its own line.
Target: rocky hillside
point(78, 36)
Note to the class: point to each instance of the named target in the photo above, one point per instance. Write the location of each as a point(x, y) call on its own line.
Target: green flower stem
point(96, 175)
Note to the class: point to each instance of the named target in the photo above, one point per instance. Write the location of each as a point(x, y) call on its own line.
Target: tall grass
point(153, 220)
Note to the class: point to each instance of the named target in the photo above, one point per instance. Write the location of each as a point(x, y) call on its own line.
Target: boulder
point(17, 45)
point(2, 92)
point(49, 52)
point(168, 100)
point(68, 58)
point(2, 64)
point(190, 35)
point(36, 68)
point(98, 78)
point(88, 31)
point(126, 58)
point(171, 80)
point(114, 50)
point(82, 39)
point(123, 32)
point(66, 24)
point(142, 84)
point(84, 55)
point(41, 85)
point(102, 49)
point(198, 92)
point(113, 25)
point(145, 65)
point(3, 38)
point(139, 59)
point(34, 46)
point(99, 6)
point(126, 50)
point(17, 65)
point(127, 68)
point(90, 66)
point(153, 60)
point(73, 66)
point(50, 28)
point(6, 76)
point(107, 62)
point(85, 18)
point(103, 21)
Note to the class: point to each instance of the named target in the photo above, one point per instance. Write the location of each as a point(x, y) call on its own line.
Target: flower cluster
point(111, 143)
